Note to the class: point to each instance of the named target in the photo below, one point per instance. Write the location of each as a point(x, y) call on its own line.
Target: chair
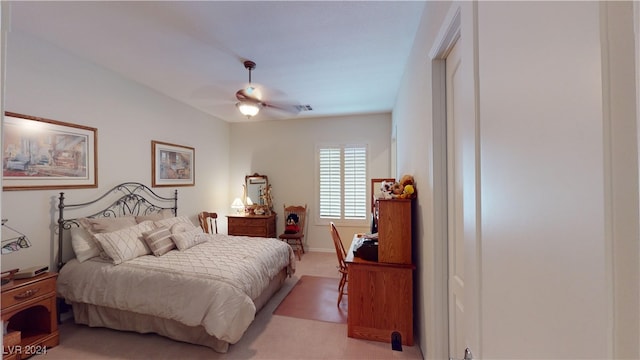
point(208, 221)
point(342, 265)
point(295, 239)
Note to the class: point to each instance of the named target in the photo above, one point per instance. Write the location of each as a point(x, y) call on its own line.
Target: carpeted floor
point(314, 298)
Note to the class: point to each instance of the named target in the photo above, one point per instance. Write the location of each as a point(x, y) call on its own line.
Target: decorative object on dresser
point(294, 229)
point(208, 222)
point(172, 165)
point(41, 153)
point(252, 225)
point(381, 292)
point(29, 316)
point(235, 276)
point(379, 190)
point(31, 271)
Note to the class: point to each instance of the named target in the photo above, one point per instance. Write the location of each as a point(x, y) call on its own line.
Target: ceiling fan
point(250, 100)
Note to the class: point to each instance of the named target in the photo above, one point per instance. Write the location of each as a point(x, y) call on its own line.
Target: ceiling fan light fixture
point(248, 108)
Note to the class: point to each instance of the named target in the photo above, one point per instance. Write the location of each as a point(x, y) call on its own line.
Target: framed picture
point(172, 165)
point(40, 154)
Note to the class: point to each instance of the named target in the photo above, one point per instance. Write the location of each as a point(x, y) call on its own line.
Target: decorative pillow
point(160, 215)
point(84, 245)
point(159, 240)
point(172, 220)
point(125, 244)
point(104, 225)
point(188, 239)
point(181, 227)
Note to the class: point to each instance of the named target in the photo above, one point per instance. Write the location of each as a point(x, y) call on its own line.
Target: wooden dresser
point(29, 310)
point(252, 225)
point(380, 292)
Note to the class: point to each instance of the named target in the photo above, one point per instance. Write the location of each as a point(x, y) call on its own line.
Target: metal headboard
point(132, 199)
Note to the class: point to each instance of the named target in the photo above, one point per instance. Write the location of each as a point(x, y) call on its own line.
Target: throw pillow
point(125, 244)
point(182, 227)
point(159, 240)
point(188, 239)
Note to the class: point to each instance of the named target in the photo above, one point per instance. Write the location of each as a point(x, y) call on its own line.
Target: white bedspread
point(212, 284)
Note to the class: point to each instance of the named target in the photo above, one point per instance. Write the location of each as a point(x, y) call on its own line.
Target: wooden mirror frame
point(263, 199)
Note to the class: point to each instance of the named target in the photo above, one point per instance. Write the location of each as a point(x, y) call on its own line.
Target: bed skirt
point(99, 316)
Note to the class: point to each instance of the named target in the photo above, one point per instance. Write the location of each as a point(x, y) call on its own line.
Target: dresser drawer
point(250, 231)
point(258, 225)
point(246, 223)
point(28, 291)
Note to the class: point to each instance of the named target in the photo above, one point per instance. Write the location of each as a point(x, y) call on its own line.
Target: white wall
point(542, 181)
point(547, 213)
point(44, 81)
point(413, 119)
point(48, 82)
point(284, 150)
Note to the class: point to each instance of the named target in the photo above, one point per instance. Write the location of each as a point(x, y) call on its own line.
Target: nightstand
point(29, 307)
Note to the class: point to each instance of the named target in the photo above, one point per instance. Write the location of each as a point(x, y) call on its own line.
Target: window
point(342, 179)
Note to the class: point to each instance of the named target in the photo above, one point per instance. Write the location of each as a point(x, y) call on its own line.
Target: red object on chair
point(294, 238)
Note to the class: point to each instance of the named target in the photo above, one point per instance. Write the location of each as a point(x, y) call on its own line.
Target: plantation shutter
point(343, 181)
point(355, 182)
point(330, 175)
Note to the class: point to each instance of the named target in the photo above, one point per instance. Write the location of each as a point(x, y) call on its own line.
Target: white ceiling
point(340, 57)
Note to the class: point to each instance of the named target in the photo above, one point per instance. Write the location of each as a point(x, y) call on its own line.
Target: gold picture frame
point(172, 165)
point(42, 154)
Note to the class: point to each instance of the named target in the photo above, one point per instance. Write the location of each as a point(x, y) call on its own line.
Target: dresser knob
point(26, 294)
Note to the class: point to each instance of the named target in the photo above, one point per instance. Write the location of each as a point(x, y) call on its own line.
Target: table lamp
point(238, 205)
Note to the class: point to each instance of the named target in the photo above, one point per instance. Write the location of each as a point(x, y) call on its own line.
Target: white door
point(461, 205)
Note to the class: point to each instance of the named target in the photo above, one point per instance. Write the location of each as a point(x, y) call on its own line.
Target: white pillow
point(83, 244)
point(188, 239)
point(172, 220)
point(127, 243)
point(106, 224)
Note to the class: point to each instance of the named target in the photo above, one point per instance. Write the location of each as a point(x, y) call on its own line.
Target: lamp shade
point(248, 108)
point(237, 204)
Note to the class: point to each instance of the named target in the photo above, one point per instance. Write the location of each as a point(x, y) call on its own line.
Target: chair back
point(208, 222)
point(301, 212)
point(340, 252)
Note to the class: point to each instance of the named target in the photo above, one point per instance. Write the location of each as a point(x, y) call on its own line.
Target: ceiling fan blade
point(285, 107)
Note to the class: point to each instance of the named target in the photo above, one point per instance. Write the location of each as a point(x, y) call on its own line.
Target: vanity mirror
point(257, 192)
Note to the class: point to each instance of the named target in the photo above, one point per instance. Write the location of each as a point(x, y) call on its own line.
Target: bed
point(136, 265)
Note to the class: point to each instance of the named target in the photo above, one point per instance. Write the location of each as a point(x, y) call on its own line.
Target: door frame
point(460, 21)
point(449, 34)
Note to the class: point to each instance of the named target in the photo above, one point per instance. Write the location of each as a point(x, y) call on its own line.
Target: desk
point(380, 299)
